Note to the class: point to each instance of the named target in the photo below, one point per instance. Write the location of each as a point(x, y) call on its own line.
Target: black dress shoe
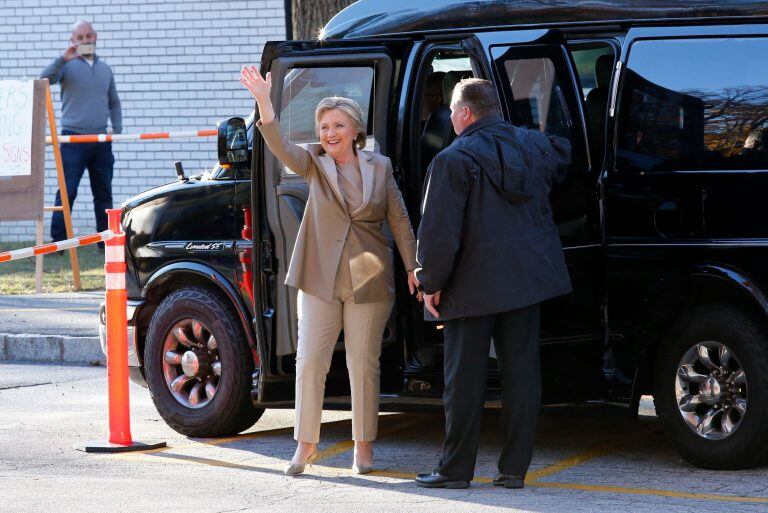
point(508, 481)
point(435, 480)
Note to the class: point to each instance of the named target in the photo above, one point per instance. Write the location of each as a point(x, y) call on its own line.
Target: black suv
point(663, 215)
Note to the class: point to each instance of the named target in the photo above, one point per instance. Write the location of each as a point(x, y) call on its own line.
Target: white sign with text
point(16, 127)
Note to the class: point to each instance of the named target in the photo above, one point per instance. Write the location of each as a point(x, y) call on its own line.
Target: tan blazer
point(327, 226)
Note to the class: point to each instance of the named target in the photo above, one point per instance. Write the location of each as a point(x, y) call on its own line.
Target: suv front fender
point(177, 270)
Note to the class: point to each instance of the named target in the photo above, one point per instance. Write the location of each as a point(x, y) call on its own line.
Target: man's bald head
point(83, 33)
point(82, 25)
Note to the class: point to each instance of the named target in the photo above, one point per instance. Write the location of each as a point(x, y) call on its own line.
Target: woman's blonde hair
point(349, 107)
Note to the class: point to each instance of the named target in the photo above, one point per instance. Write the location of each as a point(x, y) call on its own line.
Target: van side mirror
point(233, 143)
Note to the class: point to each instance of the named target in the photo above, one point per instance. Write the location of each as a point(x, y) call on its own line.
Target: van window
point(594, 64)
point(303, 88)
point(537, 98)
point(443, 69)
point(586, 58)
point(694, 104)
point(537, 90)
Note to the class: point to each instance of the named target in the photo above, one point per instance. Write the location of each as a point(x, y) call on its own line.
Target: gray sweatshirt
point(88, 95)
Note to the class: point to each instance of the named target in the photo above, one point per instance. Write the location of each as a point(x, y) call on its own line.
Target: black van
point(663, 216)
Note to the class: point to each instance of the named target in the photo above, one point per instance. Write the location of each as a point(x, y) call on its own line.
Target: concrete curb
point(50, 348)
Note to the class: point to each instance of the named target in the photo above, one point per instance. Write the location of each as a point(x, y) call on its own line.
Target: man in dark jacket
point(489, 253)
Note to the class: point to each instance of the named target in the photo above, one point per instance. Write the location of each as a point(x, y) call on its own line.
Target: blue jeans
point(98, 158)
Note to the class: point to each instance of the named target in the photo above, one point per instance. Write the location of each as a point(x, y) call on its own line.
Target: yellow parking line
point(162, 454)
point(650, 491)
point(604, 489)
point(393, 473)
point(245, 436)
point(532, 479)
point(213, 441)
point(578, 459)
point(334, 450)
point(338, 448)
point(220, 441)
point(276, 431)
point(347, 445)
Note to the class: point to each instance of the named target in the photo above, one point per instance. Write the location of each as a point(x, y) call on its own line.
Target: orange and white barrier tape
point(43, 249)
point(92, 138)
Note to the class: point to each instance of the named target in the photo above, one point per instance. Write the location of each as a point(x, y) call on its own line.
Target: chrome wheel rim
point(191, 363)
point(711, 390)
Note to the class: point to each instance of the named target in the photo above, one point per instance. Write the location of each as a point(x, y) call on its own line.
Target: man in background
point(89, 98)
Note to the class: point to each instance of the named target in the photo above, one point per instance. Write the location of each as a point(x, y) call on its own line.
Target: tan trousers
point(320, 323)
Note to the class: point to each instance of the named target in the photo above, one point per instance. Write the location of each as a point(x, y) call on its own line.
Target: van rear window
point(694, 104)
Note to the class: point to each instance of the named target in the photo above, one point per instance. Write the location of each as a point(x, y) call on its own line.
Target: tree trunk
point(309, 16)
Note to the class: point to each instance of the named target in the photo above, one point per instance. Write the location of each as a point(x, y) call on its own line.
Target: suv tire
point(713, 364)
point(192, 335)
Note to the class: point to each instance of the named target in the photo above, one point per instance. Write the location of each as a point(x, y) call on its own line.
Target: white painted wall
point(176, 65)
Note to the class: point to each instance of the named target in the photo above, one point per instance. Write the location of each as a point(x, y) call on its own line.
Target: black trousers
point(467, 344)
point(75, 158)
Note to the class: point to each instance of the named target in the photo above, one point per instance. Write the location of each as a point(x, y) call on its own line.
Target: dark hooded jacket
point(487, 238)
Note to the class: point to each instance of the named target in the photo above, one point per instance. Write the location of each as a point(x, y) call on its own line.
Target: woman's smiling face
point(337, 134)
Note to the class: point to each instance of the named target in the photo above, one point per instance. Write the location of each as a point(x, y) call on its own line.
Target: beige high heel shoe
point(361, 469)
point(294, 469)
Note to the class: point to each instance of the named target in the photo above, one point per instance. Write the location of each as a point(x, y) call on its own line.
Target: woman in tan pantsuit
point(341, 263)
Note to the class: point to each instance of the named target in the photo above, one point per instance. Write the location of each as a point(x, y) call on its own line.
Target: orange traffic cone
point(117, 348)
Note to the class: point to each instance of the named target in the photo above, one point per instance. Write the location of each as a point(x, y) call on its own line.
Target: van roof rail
point(367, 18)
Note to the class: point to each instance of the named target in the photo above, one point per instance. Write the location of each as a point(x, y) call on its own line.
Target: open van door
point(539, 88)
point(302, 74)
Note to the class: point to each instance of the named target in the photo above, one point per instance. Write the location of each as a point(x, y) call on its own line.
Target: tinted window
point(586, 60)
point(538, 93)
point(537, 100)
point(698, 104)
point(594, 65)
point(305, 87)
point(444, 69)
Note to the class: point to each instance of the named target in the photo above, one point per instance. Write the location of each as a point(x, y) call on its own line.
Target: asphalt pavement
point(587, 459)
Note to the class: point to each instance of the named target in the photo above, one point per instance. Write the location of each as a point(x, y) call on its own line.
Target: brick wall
point(176, 65)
